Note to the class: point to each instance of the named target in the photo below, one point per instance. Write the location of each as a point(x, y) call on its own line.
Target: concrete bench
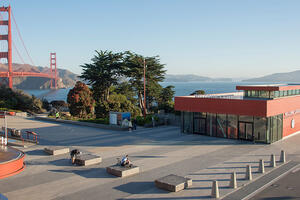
point(87, 159)
point(121, 171)
point(173, 183)
point(56, 150)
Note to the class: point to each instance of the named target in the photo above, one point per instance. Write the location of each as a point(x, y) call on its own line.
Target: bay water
point(181, 89)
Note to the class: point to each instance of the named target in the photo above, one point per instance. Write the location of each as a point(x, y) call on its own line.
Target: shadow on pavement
point(138, 187)
point(87, 173)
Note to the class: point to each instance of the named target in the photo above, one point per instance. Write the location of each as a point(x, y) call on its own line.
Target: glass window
point(289, 92)
point(211, 124)
point(276, 94)
point(256, 94)
point(232, 130)
point(221, 125)
point(187, 122)
point(200, 123)
point(285, 93)
point(281, 93)
point(274, 129)
point(279, 126)
point(264, 94)
point(199, 115)
point(260, 129)
point(245, 118)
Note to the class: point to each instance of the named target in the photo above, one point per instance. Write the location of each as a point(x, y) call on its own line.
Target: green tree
point(116, 103)
point(126, 89)
point(198, 92)
point(134, 71)
point(104, 71)
point(80, 100)
point(166, 99)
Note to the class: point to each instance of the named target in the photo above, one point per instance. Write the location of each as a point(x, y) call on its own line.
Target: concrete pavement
point(157, 151)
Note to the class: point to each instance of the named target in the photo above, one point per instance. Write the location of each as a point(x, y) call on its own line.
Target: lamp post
point(144, 88)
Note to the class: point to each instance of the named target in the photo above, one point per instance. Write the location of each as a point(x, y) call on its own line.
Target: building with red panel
point(260, 113)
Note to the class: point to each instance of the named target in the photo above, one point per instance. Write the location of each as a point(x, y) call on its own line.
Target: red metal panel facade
point(222, 106)
point(288, 106)
point(287, 125)
point(283, 105)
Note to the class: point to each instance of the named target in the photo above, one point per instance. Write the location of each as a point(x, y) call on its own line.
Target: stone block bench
point(173, 183)
point(87, 159)
point(121, 171)
point(56, 150)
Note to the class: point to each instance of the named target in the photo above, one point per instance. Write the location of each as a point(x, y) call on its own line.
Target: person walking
point(130, 126)
point(153, 121)
point(134, 124)
point(57, 115)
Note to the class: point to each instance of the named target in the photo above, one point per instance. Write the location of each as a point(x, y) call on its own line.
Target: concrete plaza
point(157, 151)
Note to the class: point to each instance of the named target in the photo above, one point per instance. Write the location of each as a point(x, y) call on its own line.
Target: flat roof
point(270, 87)
point(233, 95)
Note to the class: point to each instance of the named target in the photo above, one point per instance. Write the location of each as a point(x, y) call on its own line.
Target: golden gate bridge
point(10, 74)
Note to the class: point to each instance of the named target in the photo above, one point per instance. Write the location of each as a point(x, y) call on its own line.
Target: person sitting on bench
point(125, 161)
point(74, 153)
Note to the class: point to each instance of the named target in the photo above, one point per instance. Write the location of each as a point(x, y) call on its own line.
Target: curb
point(261, 183)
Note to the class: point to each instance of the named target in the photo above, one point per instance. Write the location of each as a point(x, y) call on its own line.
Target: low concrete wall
point(21, 114)
point(94, 125)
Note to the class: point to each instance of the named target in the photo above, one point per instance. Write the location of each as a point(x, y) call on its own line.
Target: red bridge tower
point(8, 54)
point(53, 66)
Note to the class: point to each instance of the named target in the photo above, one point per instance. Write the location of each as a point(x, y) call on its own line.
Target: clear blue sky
point(241, 38)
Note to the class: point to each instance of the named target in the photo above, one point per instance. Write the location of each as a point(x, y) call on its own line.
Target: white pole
point(5, 121)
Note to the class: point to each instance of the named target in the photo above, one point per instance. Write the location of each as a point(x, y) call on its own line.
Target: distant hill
point(65, 77)
point(278, 77)
point(191, 78)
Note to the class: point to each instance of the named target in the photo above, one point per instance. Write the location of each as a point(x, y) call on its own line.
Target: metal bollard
point(282, 156)
point(233, 183)
point(273, 161)
point(248, 173)
point(215, 190)
point(261, 168)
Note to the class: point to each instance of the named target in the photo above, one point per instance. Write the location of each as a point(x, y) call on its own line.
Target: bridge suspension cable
point(19, 33)
point(18, 53)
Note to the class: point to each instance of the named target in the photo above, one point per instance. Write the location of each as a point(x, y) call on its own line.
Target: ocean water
point(181, 89)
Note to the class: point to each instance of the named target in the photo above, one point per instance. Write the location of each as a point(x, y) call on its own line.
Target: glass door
point(246, 131)
point(200, 126)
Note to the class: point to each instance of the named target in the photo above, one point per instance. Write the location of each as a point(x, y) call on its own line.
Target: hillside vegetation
point(278, 77)
point(18, 100)
point(65, 77)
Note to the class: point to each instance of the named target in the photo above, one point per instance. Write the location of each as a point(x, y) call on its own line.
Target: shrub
point(81, 102)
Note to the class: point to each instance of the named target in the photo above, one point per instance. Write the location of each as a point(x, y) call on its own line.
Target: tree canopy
point(104, 71)
point(81, 102)
point(115, 76)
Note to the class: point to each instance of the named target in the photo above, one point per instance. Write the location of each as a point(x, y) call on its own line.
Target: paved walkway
point(157, 151)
